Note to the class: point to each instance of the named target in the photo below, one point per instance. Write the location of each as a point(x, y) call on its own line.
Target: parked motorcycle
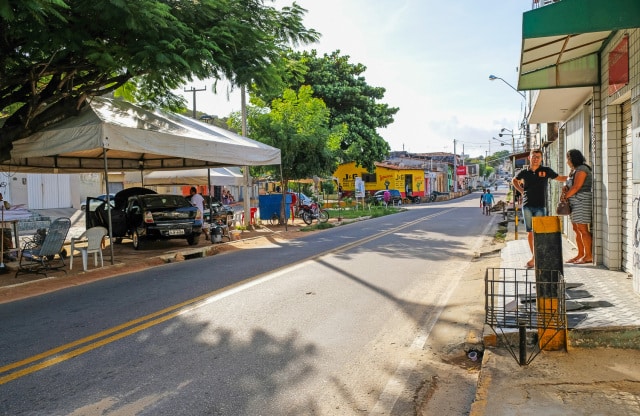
point(313, 212)
point(413, 199)
point(435, 194)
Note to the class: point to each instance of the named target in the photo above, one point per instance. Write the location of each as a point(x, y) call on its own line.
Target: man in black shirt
point(532, 184)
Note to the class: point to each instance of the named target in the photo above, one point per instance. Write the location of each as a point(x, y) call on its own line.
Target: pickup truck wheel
point(192, 240)
point(137, 241)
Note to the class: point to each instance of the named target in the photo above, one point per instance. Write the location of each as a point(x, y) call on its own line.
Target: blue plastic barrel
point(270, 204)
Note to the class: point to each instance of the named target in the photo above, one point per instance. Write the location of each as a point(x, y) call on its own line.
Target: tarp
point(134, 139)
point(219, 176)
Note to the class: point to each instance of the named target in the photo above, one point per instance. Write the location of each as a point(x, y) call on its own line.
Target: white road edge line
point(394, 387)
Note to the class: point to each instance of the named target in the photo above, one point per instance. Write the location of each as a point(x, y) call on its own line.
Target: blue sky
point(433, 58)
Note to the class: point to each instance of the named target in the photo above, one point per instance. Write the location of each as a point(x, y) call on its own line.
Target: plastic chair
point(93, 238)
point(44, 252)
point(252, 218)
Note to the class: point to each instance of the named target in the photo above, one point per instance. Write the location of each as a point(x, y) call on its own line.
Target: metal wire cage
point(525, 303)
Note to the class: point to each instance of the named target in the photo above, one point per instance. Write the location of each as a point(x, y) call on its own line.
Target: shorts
point(529, 212)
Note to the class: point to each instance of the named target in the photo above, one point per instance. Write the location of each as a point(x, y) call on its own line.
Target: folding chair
point(93, 239)
point(44, 253)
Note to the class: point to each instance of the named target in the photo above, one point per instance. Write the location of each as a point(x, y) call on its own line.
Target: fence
point(524, 310)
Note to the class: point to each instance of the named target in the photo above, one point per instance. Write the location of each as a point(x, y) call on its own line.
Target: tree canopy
point(56, 54)
point(352, 102)
point(297, 124)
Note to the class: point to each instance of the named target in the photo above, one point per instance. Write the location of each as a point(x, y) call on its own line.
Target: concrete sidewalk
point(600, 373)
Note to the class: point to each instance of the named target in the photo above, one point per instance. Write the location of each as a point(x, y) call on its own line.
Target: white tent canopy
point(133, 139)
point(231, 176)
point(113, 135)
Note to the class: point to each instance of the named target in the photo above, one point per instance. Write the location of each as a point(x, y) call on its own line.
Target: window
point(368, 177)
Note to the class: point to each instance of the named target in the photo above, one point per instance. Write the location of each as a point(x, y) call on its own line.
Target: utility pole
point(194, 91)
point(246, 200)
point(455, 168)
point(484, 177)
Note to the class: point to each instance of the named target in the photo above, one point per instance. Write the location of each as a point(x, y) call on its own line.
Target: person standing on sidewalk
point(532, 184)
point(198, 201)
point(578, 191)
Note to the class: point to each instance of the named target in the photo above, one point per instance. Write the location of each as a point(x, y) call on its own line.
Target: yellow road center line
point(136, 325)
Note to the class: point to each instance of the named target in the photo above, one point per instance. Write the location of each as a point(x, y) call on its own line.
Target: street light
point(493, 78)
point(513, 147)
point(501, 142)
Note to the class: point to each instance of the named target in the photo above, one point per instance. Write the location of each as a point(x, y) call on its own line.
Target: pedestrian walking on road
point(487, 201)
point(578, 191)
point(532, 184)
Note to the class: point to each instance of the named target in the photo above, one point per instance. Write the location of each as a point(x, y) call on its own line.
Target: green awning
point(561, 42)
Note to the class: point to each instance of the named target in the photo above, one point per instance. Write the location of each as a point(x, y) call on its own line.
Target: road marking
point(118, 332)
point(394, 388)
point(73, 349)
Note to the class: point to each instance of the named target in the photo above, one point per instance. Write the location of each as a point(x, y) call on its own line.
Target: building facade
point(587, 97)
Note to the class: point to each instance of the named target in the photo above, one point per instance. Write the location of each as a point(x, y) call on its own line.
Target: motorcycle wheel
point(307, 218)
point(323, 215)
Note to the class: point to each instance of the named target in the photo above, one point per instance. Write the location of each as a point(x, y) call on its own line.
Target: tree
point(57, 54)
point(352, 102)
point(298, 124)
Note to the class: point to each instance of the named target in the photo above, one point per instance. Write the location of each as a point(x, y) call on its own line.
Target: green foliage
point(38, 10)
point(317, 226)
point(328, 187)
point(304, 188)
point(356, 110)
point(374, 212)
point(55, 54)
point(298, 125)
point(500, 156)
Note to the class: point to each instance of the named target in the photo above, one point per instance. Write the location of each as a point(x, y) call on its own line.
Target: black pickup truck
point(143, 215)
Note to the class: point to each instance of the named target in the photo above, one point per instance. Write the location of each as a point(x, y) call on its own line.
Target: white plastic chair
point(93, 239)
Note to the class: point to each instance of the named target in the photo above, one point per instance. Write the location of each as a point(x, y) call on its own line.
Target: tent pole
point(246, 205)
point(210, 205)
point(284, 197)
point(106, 187)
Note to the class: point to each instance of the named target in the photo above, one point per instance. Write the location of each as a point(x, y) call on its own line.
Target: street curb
point(479, 403)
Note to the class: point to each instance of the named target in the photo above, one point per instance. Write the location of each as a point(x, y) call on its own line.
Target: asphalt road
point(337, 322)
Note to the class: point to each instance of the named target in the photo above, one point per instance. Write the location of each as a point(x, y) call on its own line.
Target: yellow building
point(387, 176)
